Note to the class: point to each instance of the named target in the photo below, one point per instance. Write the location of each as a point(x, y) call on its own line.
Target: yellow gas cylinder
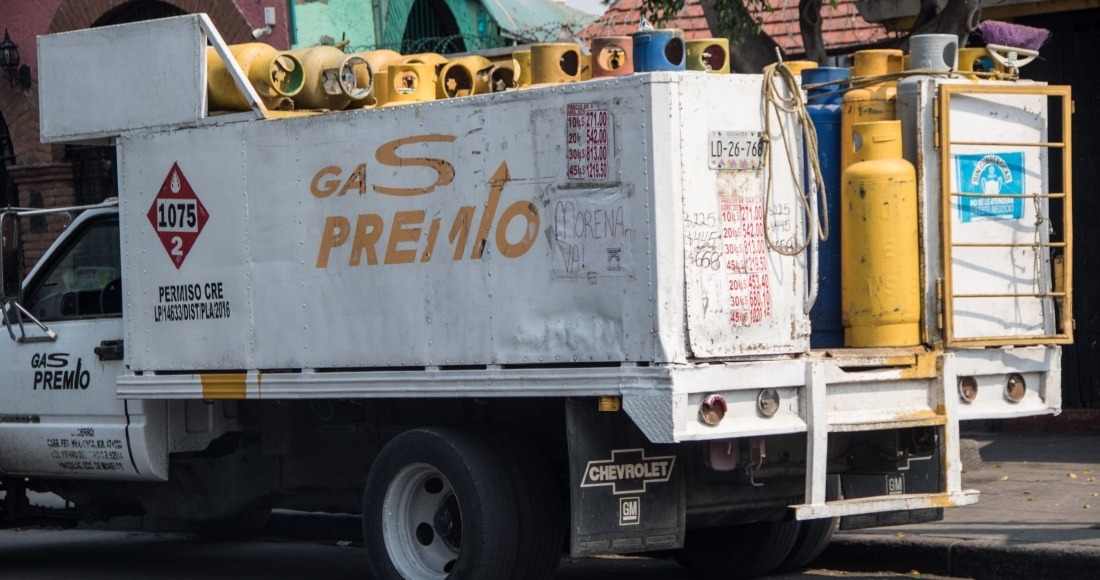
point(709, 55)
point(876, 102)
point(612, 56)
point(555, 62)
point(973, 60)
point(465, 76)
point(275, 75)
point(880, 273)
point(333, 78)
point(433, 58)
point(797, 66)
point(523, 64)
point(380, 89)
point(411, 82)
point(504, 75)
point(378, 61)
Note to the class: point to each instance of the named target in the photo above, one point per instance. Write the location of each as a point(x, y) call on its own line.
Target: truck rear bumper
point(878, 504)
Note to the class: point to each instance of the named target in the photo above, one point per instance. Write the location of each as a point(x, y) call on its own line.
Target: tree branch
point(958, 17)
point(730, 19)
point(809, 24)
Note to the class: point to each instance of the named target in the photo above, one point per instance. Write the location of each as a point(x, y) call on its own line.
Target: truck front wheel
point(438, 504)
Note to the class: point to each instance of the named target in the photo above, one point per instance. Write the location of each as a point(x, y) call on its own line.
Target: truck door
point(59, 413)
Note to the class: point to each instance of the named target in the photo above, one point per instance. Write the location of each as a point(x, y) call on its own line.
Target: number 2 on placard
point(177, 246)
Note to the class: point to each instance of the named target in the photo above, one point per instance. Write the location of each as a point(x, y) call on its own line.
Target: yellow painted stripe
point(223, 386)
point(927, 367)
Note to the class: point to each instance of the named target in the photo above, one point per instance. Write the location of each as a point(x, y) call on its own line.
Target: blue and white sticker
point(992, 175)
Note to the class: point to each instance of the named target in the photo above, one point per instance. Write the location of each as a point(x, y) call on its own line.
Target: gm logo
point(895, 484)
point(630, 511)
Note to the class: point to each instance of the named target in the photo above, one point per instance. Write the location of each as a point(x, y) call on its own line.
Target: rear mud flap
point(627, 494)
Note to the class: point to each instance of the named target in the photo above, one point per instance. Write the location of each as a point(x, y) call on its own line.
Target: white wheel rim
point(421, 523)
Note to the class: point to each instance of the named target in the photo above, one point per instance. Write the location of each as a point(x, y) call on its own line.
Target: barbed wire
point(549, 32)
point(783, 26)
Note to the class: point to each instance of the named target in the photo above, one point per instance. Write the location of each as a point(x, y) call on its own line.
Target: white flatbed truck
point(500, 327)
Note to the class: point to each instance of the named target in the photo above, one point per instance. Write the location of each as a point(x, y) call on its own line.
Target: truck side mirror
point(11, 255)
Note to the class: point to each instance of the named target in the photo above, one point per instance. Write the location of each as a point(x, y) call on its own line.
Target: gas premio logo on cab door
point(177, 215)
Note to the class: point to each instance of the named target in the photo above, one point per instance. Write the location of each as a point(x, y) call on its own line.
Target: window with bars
point(94, 176)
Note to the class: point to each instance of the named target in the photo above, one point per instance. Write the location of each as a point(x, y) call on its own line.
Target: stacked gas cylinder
point(870, 277)
point(327, 78)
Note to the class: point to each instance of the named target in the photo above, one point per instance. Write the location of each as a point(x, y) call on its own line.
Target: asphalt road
point(52, 554)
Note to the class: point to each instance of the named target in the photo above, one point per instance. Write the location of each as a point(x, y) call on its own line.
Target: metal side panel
point(998, 287)
point(186, 272)
point(744, 295)
point(504, 229)
point(999, 169)
point(995, 173)
point(102, 82)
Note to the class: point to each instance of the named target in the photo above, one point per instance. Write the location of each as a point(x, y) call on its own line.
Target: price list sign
point(745, 257)
point(588, 142)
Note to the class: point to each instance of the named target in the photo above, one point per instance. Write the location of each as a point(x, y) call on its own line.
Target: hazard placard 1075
point(588, 142)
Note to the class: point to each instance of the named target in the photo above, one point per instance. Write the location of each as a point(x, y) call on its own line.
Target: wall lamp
point(9, 62)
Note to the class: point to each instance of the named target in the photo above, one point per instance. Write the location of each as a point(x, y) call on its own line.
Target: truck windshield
point(83, 280)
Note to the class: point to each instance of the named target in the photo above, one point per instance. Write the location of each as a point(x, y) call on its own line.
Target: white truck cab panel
point(62, 417)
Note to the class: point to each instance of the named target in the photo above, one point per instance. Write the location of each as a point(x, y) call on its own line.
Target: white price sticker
point(736, 150)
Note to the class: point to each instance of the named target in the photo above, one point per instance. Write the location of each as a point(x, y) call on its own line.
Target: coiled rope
point(782, 97)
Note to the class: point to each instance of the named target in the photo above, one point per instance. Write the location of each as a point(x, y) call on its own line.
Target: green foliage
point(661, 12)
point(736, 18)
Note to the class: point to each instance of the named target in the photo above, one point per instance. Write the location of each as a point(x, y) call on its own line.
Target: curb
point(978, 559)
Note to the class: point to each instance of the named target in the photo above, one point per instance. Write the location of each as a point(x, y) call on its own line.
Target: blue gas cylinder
point(824, 105)
point(659, 50)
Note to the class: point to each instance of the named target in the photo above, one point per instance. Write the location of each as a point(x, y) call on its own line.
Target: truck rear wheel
point(813, 535)
point(539, 506)
point(813, 538)
point(733, 552)
point(438, 504)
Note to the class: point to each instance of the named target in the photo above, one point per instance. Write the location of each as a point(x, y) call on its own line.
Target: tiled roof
point(841, 27)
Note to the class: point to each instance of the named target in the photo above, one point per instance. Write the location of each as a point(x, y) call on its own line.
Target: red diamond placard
point(177, 215)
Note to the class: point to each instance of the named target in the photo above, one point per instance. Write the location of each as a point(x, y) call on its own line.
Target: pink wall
point(26, 19)
point(253, 10)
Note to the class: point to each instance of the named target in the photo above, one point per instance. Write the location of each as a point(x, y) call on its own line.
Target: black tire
point(439, 504)
point(244, 525)
point(813, 535)
point(813, 538)
point(735, 552)
point(538, 503)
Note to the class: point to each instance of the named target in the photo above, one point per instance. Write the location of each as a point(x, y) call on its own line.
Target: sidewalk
point(1038, 516)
